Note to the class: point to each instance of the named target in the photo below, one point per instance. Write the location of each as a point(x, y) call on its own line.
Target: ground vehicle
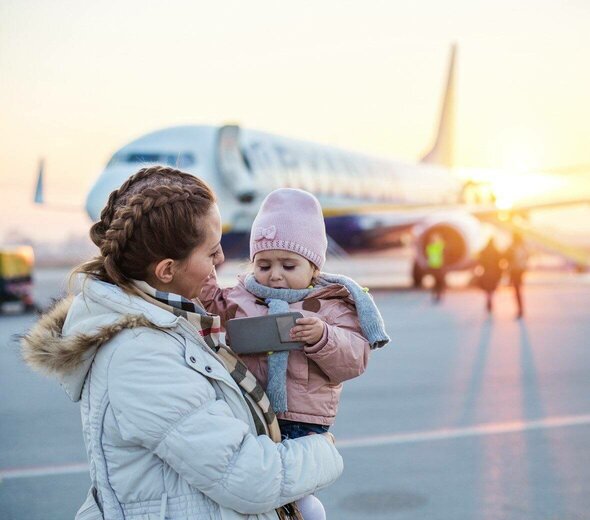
point(16, 276)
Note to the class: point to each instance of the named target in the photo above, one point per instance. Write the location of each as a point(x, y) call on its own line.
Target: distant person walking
point(489, 272)
point(517, 257)
point(435, 256)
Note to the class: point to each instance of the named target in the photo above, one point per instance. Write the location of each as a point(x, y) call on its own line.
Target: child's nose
point(275, 274)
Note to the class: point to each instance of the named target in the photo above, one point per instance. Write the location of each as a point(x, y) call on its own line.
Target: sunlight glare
point(511, 187)
point(514, 188)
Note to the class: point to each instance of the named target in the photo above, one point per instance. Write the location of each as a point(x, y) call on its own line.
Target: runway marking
point(358, 442)
point(43, 471)
point(469, 431)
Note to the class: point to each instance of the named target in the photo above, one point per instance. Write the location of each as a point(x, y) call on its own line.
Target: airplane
point(368, 202)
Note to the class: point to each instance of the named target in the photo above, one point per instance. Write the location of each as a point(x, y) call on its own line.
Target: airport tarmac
point(461, 417)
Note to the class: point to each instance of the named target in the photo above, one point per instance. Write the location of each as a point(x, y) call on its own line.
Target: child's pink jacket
point(314, 374)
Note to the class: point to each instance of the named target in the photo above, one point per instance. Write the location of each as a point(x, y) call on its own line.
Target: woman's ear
point(164, 270)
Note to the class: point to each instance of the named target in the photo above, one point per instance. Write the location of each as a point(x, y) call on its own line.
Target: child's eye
point(288, 267)
point(264, 267)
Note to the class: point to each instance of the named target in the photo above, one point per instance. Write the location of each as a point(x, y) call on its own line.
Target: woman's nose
point(220, 257)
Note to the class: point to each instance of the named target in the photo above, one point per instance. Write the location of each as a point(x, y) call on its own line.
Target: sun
point(512, 187)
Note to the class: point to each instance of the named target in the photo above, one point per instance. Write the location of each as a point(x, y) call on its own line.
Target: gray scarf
point(369, 316)
point(278, 301)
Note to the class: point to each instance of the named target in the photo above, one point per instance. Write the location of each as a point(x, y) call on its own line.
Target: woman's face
point(190, 274)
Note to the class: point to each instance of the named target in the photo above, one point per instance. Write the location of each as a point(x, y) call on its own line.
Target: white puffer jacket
point(167, 430)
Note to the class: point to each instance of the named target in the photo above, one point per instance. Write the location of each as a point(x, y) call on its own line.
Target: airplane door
point(232, 168)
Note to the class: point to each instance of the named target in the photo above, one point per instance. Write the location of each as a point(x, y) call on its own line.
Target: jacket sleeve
point(217, 300)
point(343, 352)
point(162, 404)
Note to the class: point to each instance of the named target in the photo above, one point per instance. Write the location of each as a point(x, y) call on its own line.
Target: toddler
point(340, 321)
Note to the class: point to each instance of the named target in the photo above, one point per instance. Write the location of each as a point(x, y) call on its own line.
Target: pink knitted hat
point(290, 220)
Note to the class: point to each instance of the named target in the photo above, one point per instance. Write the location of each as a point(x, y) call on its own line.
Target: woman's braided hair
point(155, 214)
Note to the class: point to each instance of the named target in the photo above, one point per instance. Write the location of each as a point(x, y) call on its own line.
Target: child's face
point(283, 270)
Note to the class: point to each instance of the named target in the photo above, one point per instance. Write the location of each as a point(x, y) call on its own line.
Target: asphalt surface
point(462, 417)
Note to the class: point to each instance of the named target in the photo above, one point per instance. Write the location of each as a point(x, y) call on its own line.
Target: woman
point(174, 425)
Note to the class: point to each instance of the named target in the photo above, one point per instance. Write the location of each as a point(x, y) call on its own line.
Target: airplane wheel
point(417, 275)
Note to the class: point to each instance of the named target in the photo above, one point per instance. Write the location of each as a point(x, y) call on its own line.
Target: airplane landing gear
point(417, 275)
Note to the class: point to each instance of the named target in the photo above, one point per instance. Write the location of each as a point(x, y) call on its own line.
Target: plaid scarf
point(209, 326)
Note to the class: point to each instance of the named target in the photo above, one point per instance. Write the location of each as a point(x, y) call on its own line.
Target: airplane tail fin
point(39, 192)
point(39, 197)
point(441, 152)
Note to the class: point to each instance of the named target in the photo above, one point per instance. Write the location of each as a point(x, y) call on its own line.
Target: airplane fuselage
point(243, 166)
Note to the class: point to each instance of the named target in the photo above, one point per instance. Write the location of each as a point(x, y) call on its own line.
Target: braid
point(140, 220)
point(98, 230)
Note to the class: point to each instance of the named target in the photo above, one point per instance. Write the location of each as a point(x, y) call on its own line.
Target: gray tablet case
point(262, 334)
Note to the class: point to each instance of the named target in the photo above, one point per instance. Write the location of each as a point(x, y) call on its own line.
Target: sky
point(78, 80)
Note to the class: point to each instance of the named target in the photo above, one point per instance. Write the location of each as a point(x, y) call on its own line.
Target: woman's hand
point(308, 330)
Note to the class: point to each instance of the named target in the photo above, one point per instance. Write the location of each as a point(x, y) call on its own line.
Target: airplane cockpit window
point(178, 160)
point(145, 157)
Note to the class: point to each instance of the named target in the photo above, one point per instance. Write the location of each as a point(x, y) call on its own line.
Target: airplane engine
point(463, 235)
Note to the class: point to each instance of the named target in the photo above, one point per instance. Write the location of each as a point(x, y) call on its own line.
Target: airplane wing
point(419, 211)
point(385, 225)
point(525, 208)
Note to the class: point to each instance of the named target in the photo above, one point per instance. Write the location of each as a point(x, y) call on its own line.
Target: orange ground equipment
point(16, 276)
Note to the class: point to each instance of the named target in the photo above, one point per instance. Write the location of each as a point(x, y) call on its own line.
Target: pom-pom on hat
point(290, 220)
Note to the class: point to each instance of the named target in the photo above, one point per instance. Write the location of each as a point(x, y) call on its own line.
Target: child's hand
point(308, 330)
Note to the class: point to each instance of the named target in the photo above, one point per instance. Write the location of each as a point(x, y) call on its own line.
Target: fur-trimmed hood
point(65, 340)
point(47, 350)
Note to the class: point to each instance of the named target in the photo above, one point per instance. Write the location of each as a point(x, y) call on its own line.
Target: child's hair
point(154, 215)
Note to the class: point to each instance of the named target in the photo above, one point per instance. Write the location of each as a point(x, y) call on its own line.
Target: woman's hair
point(154, 215)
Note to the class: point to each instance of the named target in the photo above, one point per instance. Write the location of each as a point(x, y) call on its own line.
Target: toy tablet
point(262, 333)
